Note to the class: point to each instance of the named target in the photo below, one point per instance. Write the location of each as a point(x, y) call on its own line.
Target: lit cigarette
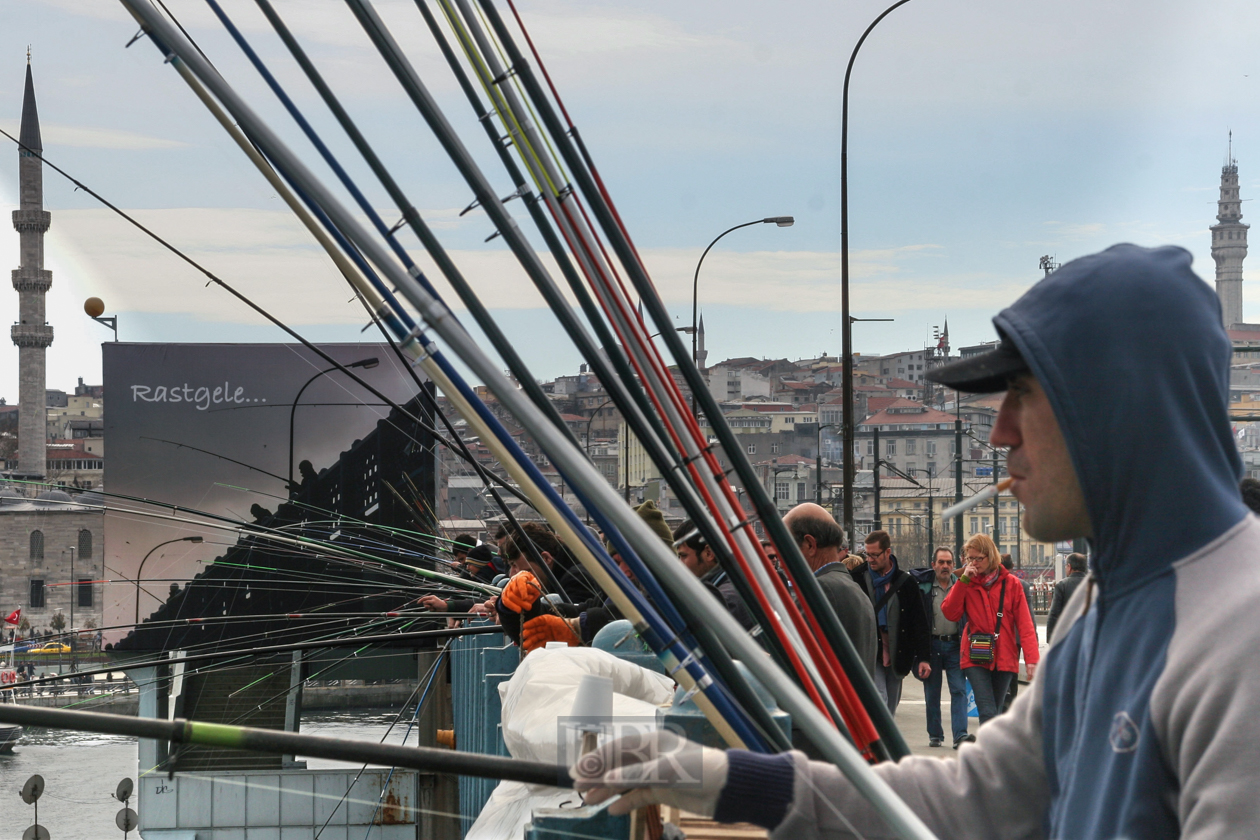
point(978, 499)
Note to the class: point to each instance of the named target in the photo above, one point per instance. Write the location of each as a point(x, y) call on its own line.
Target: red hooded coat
point(980, 604)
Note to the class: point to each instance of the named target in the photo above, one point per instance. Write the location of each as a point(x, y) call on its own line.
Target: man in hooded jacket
point(1141, 721)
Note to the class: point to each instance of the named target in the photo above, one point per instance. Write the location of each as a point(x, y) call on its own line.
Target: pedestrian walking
point(945, 661)
point(1077, 567)
point(899, 616)
point(993, 601)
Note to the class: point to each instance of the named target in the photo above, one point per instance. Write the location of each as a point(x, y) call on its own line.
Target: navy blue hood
point(1129, 347)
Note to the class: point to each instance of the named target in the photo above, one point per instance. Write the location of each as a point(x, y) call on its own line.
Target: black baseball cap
point(983, 373)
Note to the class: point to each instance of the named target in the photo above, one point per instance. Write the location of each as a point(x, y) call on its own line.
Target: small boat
point(9, 736)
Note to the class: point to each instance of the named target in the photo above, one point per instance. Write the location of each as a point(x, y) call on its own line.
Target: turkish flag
point(14, 617)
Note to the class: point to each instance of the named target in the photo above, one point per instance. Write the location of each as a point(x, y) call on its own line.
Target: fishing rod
point(589, 550)
point(577, 233)
point(818, 612)
point(635, 408)
point(180, 731)
point(833, 746)
point(268, 650)
point(670, 467)
point(488, 200)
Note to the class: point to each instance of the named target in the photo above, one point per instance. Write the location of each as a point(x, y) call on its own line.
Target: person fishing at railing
point(574, 622)
point(1142, 716)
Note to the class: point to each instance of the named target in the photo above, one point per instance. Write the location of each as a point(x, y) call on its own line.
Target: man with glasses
point(899, 615)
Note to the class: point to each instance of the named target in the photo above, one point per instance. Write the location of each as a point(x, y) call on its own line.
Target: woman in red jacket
point(990, 653)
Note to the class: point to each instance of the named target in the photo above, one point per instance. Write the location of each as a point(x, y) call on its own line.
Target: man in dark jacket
point(1077, 567)
point(904, 641)
point(822, 542)
point(699, 558)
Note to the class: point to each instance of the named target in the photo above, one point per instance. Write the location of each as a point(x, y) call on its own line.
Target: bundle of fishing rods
point(812, 667)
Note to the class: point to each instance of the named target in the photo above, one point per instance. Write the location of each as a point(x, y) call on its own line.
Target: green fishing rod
point(226, 736)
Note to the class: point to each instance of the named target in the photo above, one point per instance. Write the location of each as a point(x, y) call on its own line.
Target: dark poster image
point(215, 427)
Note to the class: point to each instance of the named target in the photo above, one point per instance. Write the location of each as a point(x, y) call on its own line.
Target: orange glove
point(547, 628)
point(521, 592)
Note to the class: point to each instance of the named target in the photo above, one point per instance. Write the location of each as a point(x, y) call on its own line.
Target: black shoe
point(965, 739)
point(936, 742)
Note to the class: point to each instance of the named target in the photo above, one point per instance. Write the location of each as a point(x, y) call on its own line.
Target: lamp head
point(194, 539)
point(781, 221)
point(366, 364)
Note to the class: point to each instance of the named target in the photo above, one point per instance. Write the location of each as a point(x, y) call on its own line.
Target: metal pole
point(931, 510)
point(958, 473)
point(74, 596)
point(878, 522)
point(997, 509)
point(846, 331)
point(818, 464)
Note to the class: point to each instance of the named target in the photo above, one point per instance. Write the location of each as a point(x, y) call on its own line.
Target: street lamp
point(846, 328)
point(366, 364)
point(197, 539)
point(774, 480)
point(781, 221)
point(818, 467)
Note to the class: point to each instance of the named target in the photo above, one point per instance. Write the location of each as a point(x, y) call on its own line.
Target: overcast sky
point(983, 135)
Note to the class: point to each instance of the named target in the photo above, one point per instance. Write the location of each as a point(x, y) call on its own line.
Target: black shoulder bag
point(982, 647)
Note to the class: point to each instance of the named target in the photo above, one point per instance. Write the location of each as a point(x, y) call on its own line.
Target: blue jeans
point(990, 688)
point(945, 659)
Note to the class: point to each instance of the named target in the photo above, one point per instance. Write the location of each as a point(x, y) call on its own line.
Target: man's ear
point(547, 558)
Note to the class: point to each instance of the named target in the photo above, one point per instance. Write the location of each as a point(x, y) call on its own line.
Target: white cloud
point(272, 259)
point(90, 137)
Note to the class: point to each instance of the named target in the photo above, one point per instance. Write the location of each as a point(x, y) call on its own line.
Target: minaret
point(31, 333)
point(1229, 242)
point(702, 355)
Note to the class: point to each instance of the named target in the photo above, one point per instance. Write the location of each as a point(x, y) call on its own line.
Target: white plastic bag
point(541, 691)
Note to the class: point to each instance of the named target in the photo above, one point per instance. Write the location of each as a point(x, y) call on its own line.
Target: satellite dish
point(35, 832)
point(126, 820)
point(125, 788)
point(33, 789)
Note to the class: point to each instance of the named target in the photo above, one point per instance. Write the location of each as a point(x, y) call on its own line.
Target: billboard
point(220, 428)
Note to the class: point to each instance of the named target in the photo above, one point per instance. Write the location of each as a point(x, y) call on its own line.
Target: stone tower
point(31, 333)
point(702, 355)
point(1229, 244)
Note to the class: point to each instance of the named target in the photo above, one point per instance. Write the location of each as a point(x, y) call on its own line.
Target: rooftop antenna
point(1048, 265)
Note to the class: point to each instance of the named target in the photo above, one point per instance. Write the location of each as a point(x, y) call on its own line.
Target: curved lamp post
point(846, 330)
point(146, 557)
point(366, 364)
point(781, 221)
